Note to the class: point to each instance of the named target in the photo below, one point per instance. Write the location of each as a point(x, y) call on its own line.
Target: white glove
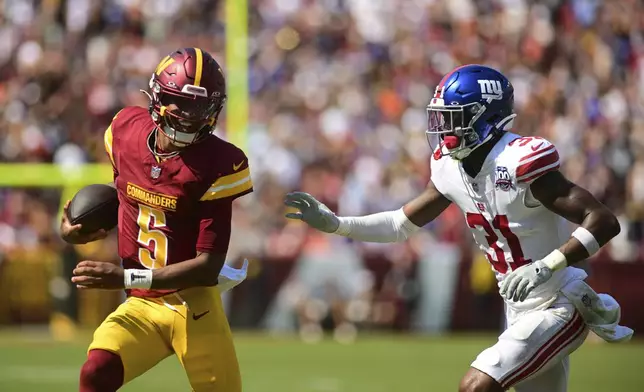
point(519, 283)
point(314, 213)
point(230, 277)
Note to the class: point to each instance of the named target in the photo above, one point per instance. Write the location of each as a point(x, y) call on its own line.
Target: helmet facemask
point(185, 117)
point(452, 128)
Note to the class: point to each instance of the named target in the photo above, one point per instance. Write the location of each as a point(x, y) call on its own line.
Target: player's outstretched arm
point(389, 226)
point(597, 226)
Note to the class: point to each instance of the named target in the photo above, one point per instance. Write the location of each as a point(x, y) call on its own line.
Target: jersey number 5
point(502, 224)
point(150, 220)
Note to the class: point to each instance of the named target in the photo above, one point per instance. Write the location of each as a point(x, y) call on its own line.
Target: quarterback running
point(176, 182)
point(512, 196)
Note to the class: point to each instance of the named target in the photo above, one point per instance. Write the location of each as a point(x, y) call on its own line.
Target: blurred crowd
point(338, 94)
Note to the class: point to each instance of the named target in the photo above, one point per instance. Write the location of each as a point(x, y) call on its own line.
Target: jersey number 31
point(501, 224)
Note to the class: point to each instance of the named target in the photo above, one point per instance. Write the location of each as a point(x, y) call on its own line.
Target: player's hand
point(520, 282)
point(98, 275)
point(314, 213)
point(71, 233)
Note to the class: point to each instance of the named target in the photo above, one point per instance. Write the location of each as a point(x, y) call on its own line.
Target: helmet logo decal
point(165, 63)
point(491, 90)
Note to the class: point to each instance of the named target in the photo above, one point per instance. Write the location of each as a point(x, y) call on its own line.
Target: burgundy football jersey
point(173, 208)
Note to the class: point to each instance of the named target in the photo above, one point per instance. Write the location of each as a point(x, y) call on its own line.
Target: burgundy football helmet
point(187, 93)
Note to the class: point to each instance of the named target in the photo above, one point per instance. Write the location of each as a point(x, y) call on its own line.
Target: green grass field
point(373, 364)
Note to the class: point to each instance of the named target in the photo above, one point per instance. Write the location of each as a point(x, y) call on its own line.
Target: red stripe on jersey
point(539, 163)
point(525, 158)
point(568, 334)
point(537, 175)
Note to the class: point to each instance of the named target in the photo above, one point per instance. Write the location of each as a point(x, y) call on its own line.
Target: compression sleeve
point(389, 226)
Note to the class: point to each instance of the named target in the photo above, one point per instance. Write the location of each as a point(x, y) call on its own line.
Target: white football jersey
point(508, 224)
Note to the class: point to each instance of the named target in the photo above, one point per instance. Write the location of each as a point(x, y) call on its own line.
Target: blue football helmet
point(471, 105)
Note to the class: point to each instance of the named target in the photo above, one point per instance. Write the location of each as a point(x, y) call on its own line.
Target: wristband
point(587, 239)
point(555, 260)
point(137, 278)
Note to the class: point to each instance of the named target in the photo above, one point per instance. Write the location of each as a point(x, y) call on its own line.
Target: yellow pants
point(191, 325)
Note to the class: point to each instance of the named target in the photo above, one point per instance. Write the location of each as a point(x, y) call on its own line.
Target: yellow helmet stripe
point(199, 66)
point(165, 63)
point(161, 62)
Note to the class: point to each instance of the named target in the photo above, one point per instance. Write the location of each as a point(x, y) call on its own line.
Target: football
point(95, 207)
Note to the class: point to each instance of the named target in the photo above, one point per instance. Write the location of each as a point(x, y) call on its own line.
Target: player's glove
point(519, 283)
point(314, 213)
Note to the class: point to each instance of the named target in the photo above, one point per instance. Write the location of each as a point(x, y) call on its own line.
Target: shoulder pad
point(128, 116)
point(531, 157)
point(122, 123)
point(231, 175)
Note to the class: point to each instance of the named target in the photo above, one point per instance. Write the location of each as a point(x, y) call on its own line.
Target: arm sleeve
point(389, 226)
point(214, 226)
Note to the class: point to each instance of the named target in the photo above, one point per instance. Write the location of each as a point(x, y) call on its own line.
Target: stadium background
point(327, 97)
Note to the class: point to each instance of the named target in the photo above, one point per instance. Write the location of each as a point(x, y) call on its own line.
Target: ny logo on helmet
point(491, 89)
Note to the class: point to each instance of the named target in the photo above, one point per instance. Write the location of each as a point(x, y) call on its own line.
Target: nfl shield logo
point(155, 172)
